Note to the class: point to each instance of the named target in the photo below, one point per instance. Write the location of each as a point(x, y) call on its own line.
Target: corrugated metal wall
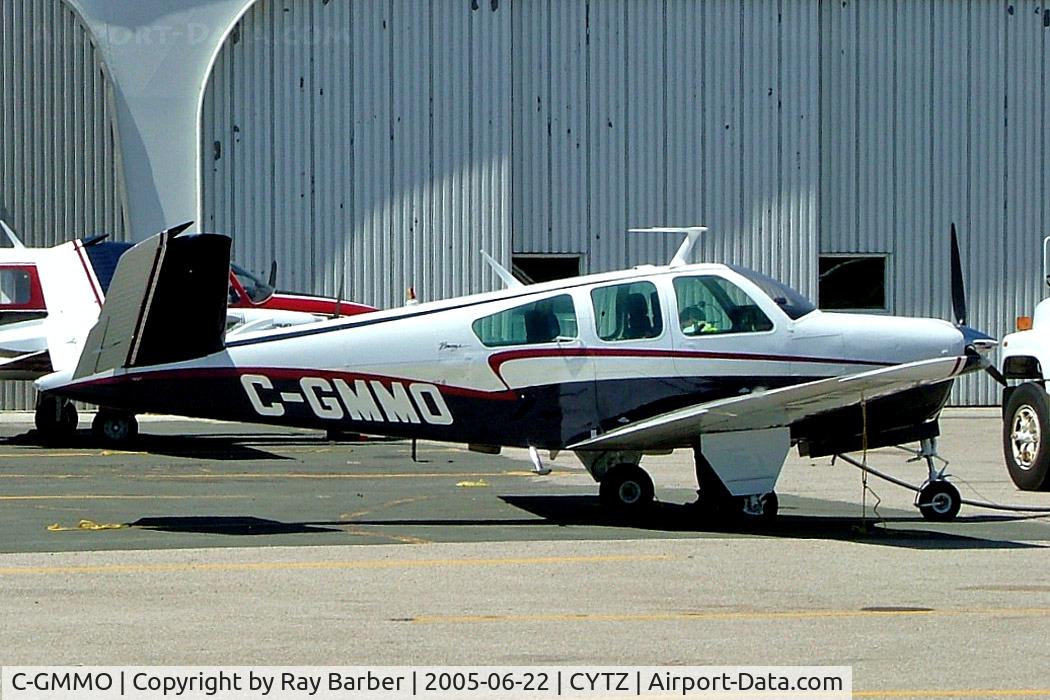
point(60, 173)
point(384, 142)
point(393, 139)
point(632, 114)
point(364, 144)
point(933, 113)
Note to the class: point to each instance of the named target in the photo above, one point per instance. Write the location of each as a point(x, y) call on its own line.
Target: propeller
point(958, 288)
point(973, 337)
point(273, 275)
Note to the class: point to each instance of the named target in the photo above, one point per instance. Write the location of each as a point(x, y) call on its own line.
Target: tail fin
point(166, 303)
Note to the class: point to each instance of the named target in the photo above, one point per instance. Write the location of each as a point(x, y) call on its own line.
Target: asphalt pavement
point(211, 543)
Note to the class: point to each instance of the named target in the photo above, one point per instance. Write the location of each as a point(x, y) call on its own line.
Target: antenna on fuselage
point(684, 254)
point(503, 273)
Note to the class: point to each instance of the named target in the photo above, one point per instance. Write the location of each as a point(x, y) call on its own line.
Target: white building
point(379, 144)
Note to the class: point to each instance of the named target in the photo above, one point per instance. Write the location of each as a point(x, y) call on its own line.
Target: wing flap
point(774, 408)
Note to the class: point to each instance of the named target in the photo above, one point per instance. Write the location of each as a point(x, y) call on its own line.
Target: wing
point(774, 408)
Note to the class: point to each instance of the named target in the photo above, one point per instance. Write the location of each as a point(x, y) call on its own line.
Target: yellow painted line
point(403, 539)
point(705, 615)
point(321, 565)
point(383, 506)
point(367, 532)
point(965, 693)
point(48, 455)
point(115, 497)
point(271, 475)
point(87, 526)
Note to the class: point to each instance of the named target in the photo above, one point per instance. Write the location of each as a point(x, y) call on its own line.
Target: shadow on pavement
point(228, 525)
point(667, 517)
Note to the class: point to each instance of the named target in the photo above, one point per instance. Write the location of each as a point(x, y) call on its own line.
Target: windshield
point(791, 302)
point(258, 291)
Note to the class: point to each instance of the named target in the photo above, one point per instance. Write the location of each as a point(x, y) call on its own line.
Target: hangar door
point(59, 156)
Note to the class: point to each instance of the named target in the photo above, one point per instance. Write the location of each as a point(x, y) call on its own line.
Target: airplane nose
point(978, 340)
point(945, 338)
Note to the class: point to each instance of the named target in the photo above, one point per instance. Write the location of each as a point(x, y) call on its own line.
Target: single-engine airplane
point(716, 358)
point(51, 297)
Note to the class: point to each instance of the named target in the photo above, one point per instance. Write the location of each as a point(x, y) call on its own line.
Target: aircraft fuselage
point(545, 365)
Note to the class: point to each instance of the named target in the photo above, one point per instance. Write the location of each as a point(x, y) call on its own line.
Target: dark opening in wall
point(853, 282)
point(532, 268)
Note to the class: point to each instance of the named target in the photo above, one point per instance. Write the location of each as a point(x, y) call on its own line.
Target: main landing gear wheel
point(1026, 431)
point(626, 488)
point(55, 417)
point(114, 427)
point(939, 501)
point(769, 506)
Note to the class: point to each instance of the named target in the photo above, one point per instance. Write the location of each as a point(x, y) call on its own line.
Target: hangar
point(373, 145)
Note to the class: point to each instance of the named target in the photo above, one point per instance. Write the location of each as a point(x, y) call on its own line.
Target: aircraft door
point(634, 369)
point(535, 350)
point(725, 343)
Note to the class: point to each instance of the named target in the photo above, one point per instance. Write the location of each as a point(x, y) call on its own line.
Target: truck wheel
point(1026, 433)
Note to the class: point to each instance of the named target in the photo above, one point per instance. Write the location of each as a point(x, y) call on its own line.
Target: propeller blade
point(273, 275)
point(958, 289)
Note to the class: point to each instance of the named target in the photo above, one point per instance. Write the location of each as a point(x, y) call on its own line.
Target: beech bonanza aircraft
point(717, 358)
point(50, 297)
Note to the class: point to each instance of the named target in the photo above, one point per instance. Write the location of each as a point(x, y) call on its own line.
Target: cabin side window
point(16, 287)
point(543, 321)
point(627, 311)
point(710, 305)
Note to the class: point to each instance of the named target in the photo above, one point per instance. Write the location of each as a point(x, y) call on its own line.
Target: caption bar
point(402, 682)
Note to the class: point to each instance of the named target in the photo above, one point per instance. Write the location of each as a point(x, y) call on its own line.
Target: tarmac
point(222, 544)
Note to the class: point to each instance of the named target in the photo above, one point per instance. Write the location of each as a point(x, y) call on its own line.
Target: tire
point(939, 501)
point(770, 506)
point(115, 428)
point(742, 508)
point(1026, 437)
point(55, 417)
point(626, 488)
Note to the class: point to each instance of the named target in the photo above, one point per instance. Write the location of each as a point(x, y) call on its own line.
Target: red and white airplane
point(716, 358)
point(51, 297)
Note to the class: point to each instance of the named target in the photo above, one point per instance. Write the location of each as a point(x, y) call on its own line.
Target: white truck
point(1026, 406)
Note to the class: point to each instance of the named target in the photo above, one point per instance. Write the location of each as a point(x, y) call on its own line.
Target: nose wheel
point(939, 501)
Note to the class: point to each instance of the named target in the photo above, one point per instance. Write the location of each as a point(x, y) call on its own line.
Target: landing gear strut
point(938, 499)
point(55, 417)
point(715, 498)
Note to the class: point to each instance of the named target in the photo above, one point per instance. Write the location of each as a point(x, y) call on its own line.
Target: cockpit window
point(543, 321)
point(258, 291)
point(710, 305)
point(790, 301)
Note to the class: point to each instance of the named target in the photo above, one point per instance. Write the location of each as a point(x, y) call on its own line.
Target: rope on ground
point(977, 504)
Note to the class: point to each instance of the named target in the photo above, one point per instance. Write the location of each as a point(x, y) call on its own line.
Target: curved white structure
point(159, 54)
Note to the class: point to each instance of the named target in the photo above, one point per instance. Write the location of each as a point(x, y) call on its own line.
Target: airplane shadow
point(587, 511)
point(672, 517)
point(226, 448)
point(228, 525)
